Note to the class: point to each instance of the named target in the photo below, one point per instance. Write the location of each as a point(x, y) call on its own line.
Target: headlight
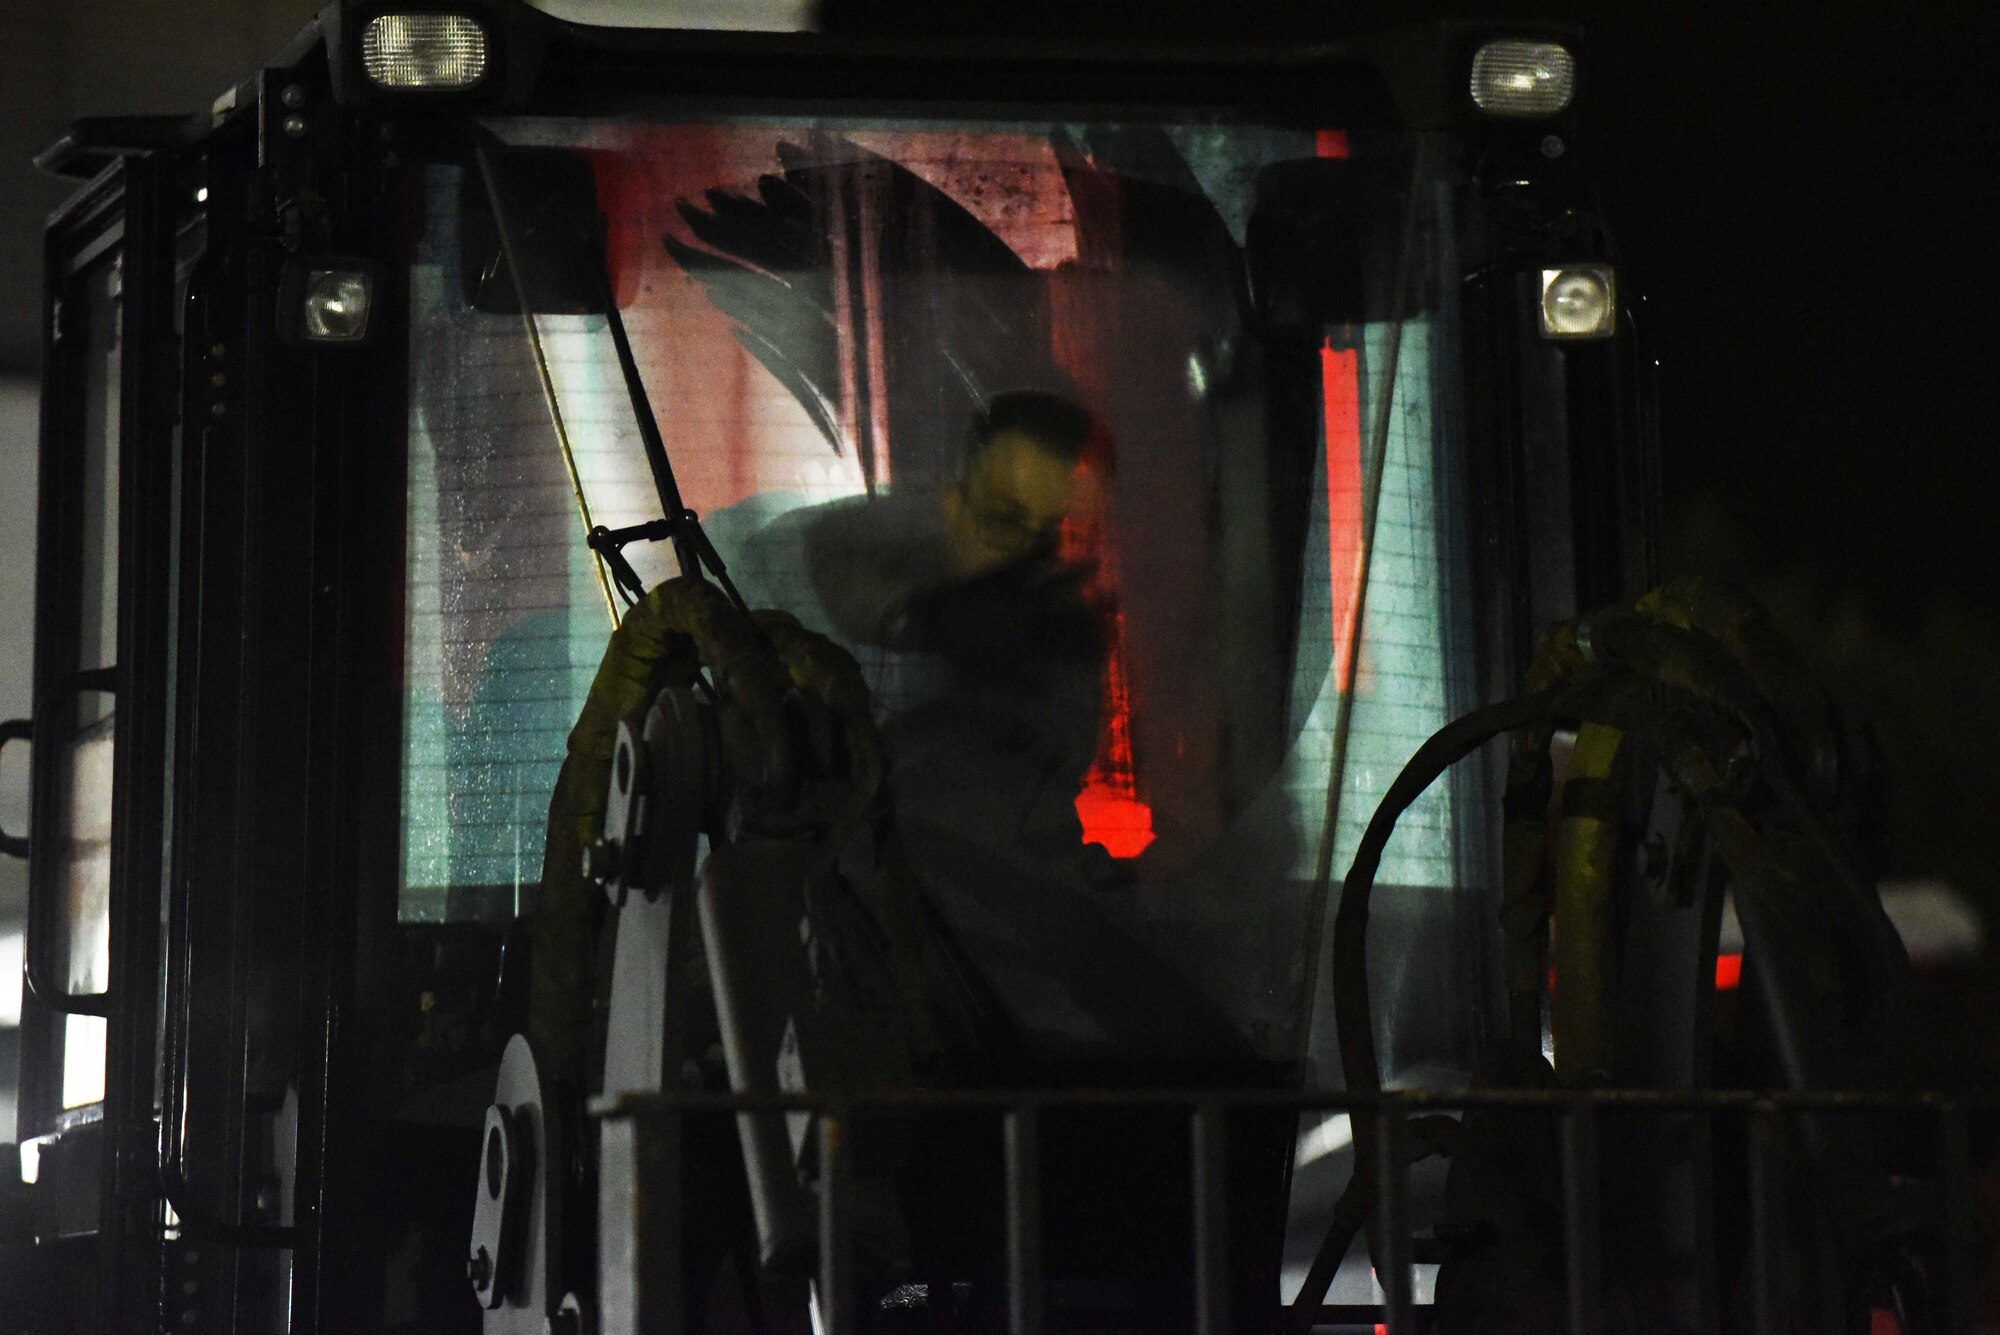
point(424, 51)
point(336, 305)
point(1512, 77)
point(1580, 301)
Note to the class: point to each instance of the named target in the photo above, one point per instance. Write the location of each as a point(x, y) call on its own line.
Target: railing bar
point(1337, 1314)
point(627, 1105)
point(1391, 1240)
point(1581, 1186)
point(1961, 1299)
point(1210, 1150)
point(1767, 1221)
point(1021, 1133)
point(836, 1245)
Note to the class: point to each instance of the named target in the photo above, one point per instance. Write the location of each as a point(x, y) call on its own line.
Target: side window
point(76, 720)
point(83, 714)
point(506, 617)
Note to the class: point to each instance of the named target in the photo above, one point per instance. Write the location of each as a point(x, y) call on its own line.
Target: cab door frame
point(104, 514)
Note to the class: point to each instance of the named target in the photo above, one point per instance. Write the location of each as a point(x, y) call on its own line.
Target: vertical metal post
point(1391, 1239)
point(836, 1241)
point(1022, 1137)
point(1210, 1146)
point(1961, 1296)
point(1581, 1223)
point(641, 1203)
point(1767, 1219)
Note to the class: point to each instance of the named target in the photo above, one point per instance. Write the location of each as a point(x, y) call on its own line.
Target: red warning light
point(1728, 972)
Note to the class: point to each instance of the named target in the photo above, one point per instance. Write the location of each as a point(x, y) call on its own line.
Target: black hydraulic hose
point(1628, 653)
point(1354, 1024)
point(1353, 1019)
point(1710, 675)
point(1630, 644)
point(1349, 1214)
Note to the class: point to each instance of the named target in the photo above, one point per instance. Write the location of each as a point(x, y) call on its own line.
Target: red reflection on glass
point(1341, 392)
point(1109, 805)
point(1728, 972)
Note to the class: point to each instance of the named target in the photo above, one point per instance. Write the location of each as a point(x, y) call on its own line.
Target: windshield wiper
point(579, 225)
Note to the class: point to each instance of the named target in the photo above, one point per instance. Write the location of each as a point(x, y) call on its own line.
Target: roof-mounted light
point(1515, 77)
point(1580, 301)
point(327, 300)
point(337, 304)
point(424, 51)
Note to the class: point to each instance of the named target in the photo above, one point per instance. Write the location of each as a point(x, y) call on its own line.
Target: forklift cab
point(345, 372)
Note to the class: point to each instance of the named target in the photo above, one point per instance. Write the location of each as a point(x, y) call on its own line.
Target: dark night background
point(1809, 203)
point(1805, 195)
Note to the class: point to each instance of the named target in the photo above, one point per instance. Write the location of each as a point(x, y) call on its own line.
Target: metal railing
point(1773, 1121)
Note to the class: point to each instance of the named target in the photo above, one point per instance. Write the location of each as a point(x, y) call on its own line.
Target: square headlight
point(424, 51)
point(327, 300)
point(337, 303)
point(1579, 301)
point(1514, 77)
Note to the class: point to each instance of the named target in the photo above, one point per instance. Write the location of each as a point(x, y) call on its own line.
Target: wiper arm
point(693, 551)
point(689, 542)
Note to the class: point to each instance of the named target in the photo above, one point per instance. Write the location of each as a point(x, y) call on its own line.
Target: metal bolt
point(1553, 146)
point(479, 1269)
point(293, 96)
point(217, 409)
point(218, 380)
point(600, 861)
point(219, 350)
point(295, 126)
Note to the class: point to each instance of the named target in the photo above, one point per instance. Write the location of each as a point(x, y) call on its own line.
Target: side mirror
point(1322, 240)
point(547, 202)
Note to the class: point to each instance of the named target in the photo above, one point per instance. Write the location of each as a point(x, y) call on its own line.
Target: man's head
point(1018, 483)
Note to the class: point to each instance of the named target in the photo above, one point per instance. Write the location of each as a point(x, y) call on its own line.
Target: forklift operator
point(983, 632)
point(978, 635)
point(860, 568)
point(979, 643)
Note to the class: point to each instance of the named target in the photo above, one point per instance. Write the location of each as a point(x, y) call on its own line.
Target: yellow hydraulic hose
point(1586, 854)
point(799, 743)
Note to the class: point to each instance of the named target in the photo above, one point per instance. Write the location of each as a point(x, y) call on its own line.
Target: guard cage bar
point(1773, 1122)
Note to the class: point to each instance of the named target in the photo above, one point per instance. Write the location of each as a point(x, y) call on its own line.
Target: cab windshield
point(1140, 687)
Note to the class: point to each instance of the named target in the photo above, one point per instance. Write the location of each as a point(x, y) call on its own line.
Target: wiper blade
point(680, 525)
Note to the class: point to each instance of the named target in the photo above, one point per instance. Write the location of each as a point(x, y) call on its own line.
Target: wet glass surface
point(1112, 689)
